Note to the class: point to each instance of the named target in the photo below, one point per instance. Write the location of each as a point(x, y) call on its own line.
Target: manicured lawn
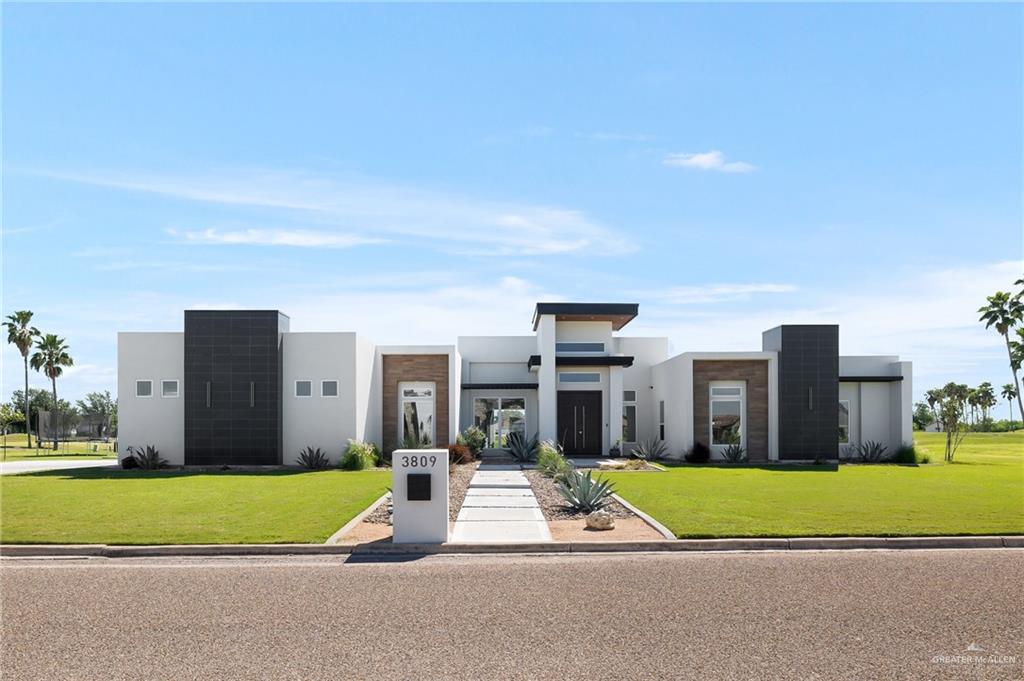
point(174, 507)
point(983, 493)
point(15, 449)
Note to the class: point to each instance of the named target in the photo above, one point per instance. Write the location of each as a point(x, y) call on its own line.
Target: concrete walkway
point(500, 507)
point(33, 466)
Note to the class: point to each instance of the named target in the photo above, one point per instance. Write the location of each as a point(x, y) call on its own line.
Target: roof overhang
point(594, 361)
point(619, 314)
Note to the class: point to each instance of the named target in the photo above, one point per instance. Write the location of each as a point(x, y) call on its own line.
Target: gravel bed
point(552, 503)
point(458, 483)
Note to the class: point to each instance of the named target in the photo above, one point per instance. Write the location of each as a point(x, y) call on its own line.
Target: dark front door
point(579, 422)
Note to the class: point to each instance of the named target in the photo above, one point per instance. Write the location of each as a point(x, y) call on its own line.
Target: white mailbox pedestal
point(419, 490)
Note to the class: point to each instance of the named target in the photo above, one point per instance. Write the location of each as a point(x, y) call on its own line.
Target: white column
point(905, 405)
point(614, 407)
point(547, 387)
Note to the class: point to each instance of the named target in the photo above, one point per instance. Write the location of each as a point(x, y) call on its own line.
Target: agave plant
point(521, 449)
point(147, 458)
point(313, 459)
point(735, 453)
point(584, 493)
point(871, 451)
point(650, 450)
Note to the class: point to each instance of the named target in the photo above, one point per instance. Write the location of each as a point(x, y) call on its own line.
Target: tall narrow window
point(727, 413)
point(844, 422)
point(629, 416)
point(661, 419)
point(416, 410)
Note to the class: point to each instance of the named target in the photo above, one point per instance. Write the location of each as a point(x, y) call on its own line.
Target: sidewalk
point(31, 466)
point(500, 508)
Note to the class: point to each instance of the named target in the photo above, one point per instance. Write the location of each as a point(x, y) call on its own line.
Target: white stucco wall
point(156, 420)
point(317, 421)
point(879, 411)
point(368, 393)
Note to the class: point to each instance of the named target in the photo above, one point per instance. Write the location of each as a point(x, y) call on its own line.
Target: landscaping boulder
point(611, 465)
point(600, 520)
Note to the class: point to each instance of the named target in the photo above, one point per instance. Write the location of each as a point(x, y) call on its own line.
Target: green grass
point(175, 507)
point(982, 493)
point(16, 449)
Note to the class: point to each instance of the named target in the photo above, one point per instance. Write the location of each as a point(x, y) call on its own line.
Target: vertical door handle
point(584, 431)
point(207, 394)
point(252, 393)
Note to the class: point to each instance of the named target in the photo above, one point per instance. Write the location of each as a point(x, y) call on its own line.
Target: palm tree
point(21, 335)
point(934, 397)
point(972, 404)
point(986, 399)
point(1008, 393)
point(50, 357)
point(1005, 311)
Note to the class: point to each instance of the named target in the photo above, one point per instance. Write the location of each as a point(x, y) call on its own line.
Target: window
point(499, 417)
point(629, 416)
point(303, 388)
point(661, 419)
point(169, 388)
point(328, 388)
point(844, 422)
point(578, 377)
point(727, 410)
point(143, 388)
point(579, 347)
point(416, 405)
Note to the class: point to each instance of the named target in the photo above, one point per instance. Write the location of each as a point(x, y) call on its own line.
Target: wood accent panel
point(402, 368)
point(755, 373)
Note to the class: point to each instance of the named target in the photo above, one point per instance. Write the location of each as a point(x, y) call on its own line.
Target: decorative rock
point(600, 520)
point(611, 465)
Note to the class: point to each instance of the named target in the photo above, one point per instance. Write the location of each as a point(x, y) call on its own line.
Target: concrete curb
point(738, 544)
point(347, 527)
point(658, 527)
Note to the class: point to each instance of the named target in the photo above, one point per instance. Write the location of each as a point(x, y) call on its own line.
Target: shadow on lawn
point(136, 474)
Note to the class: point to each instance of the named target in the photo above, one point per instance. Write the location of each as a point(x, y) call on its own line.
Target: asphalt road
point(814, 615)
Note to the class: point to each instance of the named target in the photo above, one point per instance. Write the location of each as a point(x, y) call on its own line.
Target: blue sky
point(420, 172)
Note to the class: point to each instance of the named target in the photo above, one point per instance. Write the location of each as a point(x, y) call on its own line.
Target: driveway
point(30, 466)
point(787, 615)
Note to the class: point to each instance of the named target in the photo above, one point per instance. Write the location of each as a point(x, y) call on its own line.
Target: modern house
point(239, 388)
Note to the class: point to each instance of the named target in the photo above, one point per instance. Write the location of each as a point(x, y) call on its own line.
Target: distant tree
point(923, 416)
point(951, 409)
point(39, 400)
point(932, 398)
point(986, 399)
point(21, 334)
point(1009, 393)
point(972, 404)
point(8, 417)
point(50, 357)
point(99, 407)
point(1005, 312)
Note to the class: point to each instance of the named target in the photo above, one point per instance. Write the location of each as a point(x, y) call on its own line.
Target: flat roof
point(619, 314)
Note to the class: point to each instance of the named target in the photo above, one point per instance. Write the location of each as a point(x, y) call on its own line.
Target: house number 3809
point(419, 461)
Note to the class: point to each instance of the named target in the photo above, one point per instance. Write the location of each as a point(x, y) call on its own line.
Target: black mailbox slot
point(417, 486)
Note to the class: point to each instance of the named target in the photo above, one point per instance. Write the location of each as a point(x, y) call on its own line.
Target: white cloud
point(348, 210)
point(274, 237)
point(708, 160)
point(711, 293)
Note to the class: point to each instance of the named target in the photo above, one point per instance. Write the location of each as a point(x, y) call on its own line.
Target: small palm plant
point(650, 450)
point(584, 493)
point(521, 449)
point(313, 459)
point(734, 453)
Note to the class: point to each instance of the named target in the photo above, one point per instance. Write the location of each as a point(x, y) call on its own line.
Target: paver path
point(500, 508)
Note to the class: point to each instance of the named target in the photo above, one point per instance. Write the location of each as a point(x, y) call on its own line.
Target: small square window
point(303, 388)
point(328, 388)
point(169, 388)
point(143, 388)
point(629, 396)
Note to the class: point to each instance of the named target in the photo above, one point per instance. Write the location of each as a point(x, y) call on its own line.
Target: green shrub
point(459, 453)
point(734, 454)
point(699, 453)
point(474, 438)
point(410, 442)
point(359, 456)
point(551, 461)
point(585, 494)
point(313, 459)
point(650, 450)
point(521, 449)
point(905, 454)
